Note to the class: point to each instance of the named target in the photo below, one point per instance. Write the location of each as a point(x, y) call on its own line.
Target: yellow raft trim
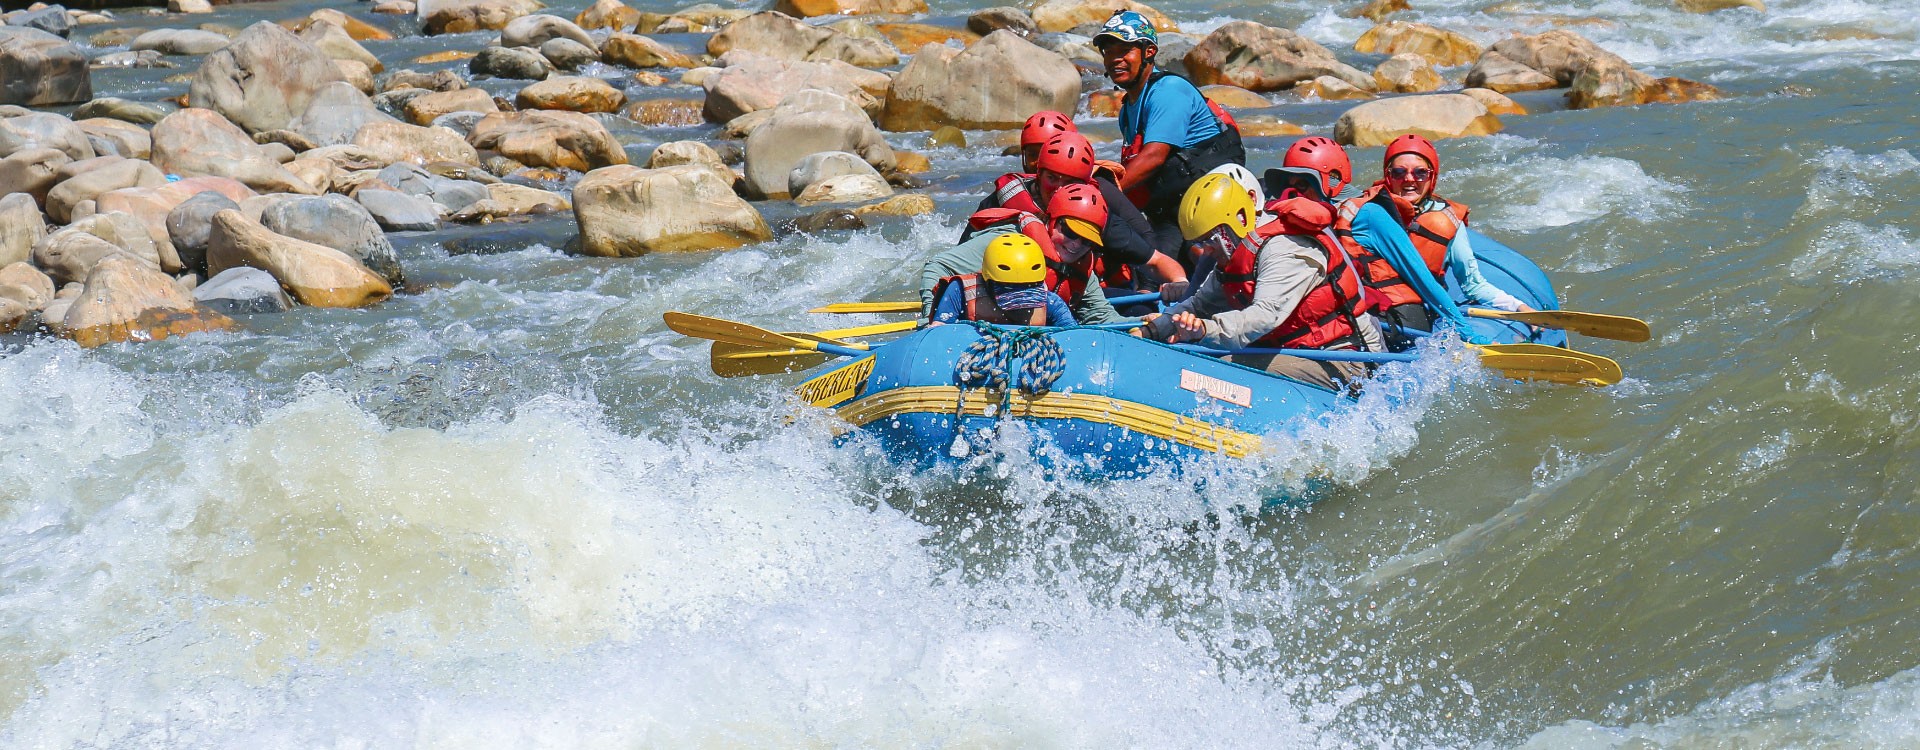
point(1146, 420)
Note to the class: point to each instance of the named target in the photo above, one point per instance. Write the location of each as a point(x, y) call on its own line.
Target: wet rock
point(398, 212)
point(676, 153)
point(21, 226)
point(115, 174)
point(424, 109)
point(397, 141)
point(825, 165)
point(333, 41)
point(243, 291)
point(914, 204)
point(44, 130)
point(994, 19)
point(31, 172)
point(358, 30)
point(811, 8)
point(769, 33)
point(506, 200)
point(994, 84)
point(127, 300)
point(337, 112)
point(806, 123)
point(292, 140)
point(439, 80)
point(190, 224)
point(1264, 58)
point(41, 70)
point(625, 211)
point(668, 112)
point(635, 51)
point(503, 62)
point(1406, 73)
point(264, 80)
point(1231, 97)
point(1066, 15)
point(1268, 126)
point(1495, 101)
point(1711, 6)
point(1493, 71)
point(122, 230)
point(917, 35)
point(1434, 116)
point(26, 285)
point(1330, 89)
point(52, 19)
point(338, 222)
point(752, 82)
point(1616, 85)
point(1378, 10)
point(68, 255)
point(313, 274)
point(201, 142)
point(189, 6)
point(116, 138)
point(826, 221)
point(1560, 54)
point(535, 30)
point(451, 194)
point(461, 16)
point(607, 14)
point(571, 93)
point(138, 113)
point(444, 56)
point(117, 37)
point(847, 188)
point(180, 42)
point(152, 205)
point(1440, 46)
point(909, 163)
point(542, 138)
point(567, 54)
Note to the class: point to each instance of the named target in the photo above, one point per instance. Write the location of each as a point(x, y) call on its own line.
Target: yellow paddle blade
point(732, 332)
point(1551, 369)
point(850, 308)
point(1615, 327)
point(733, 360)
point(872, 330)
point(1609, 370)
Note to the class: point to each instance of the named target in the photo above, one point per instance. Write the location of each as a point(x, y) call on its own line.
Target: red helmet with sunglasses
point(1412, 144)
point(1325, 158)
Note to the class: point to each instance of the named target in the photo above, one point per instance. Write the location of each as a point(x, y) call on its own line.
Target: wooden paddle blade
point(1610, 371)
point(734, 360)
point(851, 308)
point(1614, 327)
point(1551, 369)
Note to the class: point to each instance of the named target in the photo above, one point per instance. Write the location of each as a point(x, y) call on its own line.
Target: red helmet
point(1068, 154)
point(1082, 209)
point(1043, 125)
point(1412, 144)
point(1322, 155)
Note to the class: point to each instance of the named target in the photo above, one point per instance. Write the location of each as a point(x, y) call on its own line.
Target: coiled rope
point(988, 362)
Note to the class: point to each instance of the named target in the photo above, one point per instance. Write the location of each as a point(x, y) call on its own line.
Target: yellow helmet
point(1014, 258)
point(1213, 201)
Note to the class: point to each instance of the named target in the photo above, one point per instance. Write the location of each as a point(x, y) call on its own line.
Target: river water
point(509, 509)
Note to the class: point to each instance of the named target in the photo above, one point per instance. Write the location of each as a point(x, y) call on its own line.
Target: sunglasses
point(1418, 174)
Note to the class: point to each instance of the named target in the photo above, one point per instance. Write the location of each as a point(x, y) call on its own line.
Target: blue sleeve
point(952, 307)
point(1473, 284)
point(1177, 114)
point(1058, 314)
point(1377, 231)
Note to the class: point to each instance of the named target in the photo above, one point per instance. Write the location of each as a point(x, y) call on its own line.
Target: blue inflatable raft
point(1120, 404)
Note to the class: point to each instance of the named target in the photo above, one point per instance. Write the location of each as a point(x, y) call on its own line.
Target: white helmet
point(1243, 177)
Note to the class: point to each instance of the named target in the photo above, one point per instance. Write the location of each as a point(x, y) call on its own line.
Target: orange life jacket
point(980, 306)
point(1015, 190)
point(1430, 232)
point(1327, 317)
point(1063, 278)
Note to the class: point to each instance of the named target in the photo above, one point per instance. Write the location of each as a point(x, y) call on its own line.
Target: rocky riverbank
point(273, 180)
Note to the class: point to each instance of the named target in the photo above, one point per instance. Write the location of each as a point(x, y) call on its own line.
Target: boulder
point(115, 174)
point(506, 200)
point(1493, 71)
point(151, 206)
point(336, 114)
point(807, 123)
point(22, 283)
point(335, 43)
point(1378, 10)
point(1615, 85)
point(127, 300)
point(122, 230)
point(769, 33)
point(117, 138)
point(1560, 54)
point(535, 30)
point(439, 80)
point(542, 138)
point(571, 93)
point(68, 255)
point(1231, 97)
point(625, 211)
point(1406, 73)
point(461, 16)
point(32, 172)
point(811, 8)
point(752, 82)
point(180, 42)
point(1066, 15)
point(52, 19)
point(44, 130)
point(423, 109)
point(190, 224)
point(994, 84)
point(856, 51)
point(1440, 46)
point(676, 153)
point(825, 165)
point(994, 19)
point(398, 212)
point(846, 188)
point(450, 193)
point(635, 51)
point(338, 222)
point(189, 6)
point(397, 141)
point(917, 35)
point(567, 54)
point(358, 30)
point(21, 226)
point(243, 291)
point(201, 142)
point(356, 73)
point(1434, 116)
point(138, 113)
point(503, 62)
point(1330, 89)
point(1495, 101)
point(1264, 58)
point(313, 274)
point(607, 14)
point(264, 80)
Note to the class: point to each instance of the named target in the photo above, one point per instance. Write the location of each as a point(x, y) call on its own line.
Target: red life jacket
point(1327, 317)
point(979, 304)
point(1014, 190)
point(1390, 289)
point(1063, 278)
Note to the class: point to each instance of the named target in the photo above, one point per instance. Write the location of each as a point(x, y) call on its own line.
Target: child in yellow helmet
point(1010, 288)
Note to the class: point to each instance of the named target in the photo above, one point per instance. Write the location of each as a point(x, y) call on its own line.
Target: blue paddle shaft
point(843, 351)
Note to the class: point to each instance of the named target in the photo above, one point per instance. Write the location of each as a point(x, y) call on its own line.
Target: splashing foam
point(1560, 192)
point(1847, 188)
